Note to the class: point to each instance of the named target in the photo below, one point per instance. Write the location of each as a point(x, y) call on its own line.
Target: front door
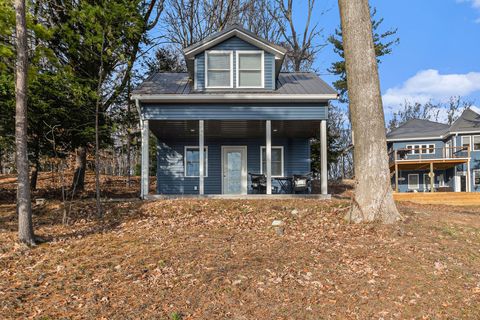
point(234, 169)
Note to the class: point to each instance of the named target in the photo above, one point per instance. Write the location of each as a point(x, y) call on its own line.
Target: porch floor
point(240, 196)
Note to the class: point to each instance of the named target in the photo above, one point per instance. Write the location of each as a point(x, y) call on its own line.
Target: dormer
point(234, 60)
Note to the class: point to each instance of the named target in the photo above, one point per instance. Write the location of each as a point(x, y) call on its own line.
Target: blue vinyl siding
point(438, 145)
point(236, 44)
point(474, 160)
point(170, 162)
point(285, 111)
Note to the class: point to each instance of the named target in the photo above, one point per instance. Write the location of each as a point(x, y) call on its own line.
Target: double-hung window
point(466, 141)
point(476, 143)
point(277, 161)
point(218, 69)
point(192, 162)
point(250, 70)
point(476, 177)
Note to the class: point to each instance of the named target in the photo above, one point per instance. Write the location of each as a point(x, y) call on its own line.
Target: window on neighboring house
point(250, 72)
point(421, 148)
point(476, 177)
point(413, 181)
point(277, 161)
point(192, 162)
point(476, 143)
point(218, 66)
point(466, 141)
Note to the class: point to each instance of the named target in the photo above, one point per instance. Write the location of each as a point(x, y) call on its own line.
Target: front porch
point(232, 152)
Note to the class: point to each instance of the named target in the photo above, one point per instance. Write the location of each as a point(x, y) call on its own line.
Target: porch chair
point(301, 183)
point(259, 183)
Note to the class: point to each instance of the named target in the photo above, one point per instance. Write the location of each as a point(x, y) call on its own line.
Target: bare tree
point(257, 17)
point(24, 205)
point(373, 196)
point(302, 46)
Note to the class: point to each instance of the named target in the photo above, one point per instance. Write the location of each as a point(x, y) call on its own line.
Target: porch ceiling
point(169, 129)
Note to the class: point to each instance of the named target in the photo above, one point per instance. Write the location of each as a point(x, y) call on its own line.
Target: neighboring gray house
point(431, 156)
point(236, 112)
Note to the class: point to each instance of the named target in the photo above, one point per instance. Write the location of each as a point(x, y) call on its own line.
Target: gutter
point(228, 97)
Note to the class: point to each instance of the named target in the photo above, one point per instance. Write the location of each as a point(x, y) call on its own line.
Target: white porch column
point(268, 156)
point(144, 183)
point(469, 176)
point(201, 158)
point(323, 157)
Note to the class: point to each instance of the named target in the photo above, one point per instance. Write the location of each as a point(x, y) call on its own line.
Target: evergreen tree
point(383, 44)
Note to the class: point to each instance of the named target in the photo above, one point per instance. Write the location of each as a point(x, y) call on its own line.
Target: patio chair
point(259, 183)
point(301, 183)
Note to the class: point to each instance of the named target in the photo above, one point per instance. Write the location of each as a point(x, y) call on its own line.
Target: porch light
point(192, 130)
point(275, 130)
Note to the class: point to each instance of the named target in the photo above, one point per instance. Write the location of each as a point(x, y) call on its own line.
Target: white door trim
point(244, 165)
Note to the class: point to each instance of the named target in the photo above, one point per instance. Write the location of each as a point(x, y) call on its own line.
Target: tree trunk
point(34, 175)
point(78, 182)
point(24, 205)
point(373, 198)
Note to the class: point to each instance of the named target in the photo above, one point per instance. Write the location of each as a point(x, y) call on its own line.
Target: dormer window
point(250, 70)
point(218, 69)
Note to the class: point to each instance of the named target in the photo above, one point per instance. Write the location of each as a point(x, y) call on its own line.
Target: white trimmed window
point(466, 141)
point(219, 69)
point(250, 69)
point(476, 143)
point(192, 161)
point(421, 148)
point(476, 177)
point(277, 161)
point(413, 181)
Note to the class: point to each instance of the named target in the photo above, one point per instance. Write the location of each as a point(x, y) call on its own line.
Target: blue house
point(428, 156)
point(236, 113)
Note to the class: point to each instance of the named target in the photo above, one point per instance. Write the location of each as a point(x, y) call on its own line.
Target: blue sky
point(438, 55)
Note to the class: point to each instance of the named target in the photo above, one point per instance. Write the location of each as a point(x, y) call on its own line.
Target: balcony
point(419, 158)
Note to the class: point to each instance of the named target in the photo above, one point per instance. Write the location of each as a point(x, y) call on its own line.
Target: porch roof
point(171, 130)
point(178, 87)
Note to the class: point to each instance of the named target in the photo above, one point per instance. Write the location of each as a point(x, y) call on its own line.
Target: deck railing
point(429, 153)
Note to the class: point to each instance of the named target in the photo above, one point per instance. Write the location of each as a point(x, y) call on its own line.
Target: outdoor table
point(285, 184)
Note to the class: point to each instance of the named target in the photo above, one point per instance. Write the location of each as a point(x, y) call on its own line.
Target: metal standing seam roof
point(301, 83)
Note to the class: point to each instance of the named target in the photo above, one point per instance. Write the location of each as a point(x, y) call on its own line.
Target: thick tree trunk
point(24, 205)
point(78, 182)
point(373, 198)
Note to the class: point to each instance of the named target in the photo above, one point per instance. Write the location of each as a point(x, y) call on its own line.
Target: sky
point(438, 55)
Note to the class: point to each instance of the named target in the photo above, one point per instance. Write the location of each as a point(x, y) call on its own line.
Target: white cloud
point(475, 4)
point(431, 85)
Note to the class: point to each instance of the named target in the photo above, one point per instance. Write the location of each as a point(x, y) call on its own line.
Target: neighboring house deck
point(233, 117)
point(427, 156)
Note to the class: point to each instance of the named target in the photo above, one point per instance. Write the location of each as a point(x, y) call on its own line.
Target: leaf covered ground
point(221, 259)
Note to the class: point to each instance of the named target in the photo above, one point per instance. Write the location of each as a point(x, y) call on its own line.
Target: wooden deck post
point(396, 171)
point(323, 157)
point(144, 184)
point(432, 178)
point(469, 183)
point(201, 156)
point(268, 155)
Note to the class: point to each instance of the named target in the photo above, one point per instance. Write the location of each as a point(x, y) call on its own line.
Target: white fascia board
point(463, 132)
point(240, 34)
point(233, 96)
